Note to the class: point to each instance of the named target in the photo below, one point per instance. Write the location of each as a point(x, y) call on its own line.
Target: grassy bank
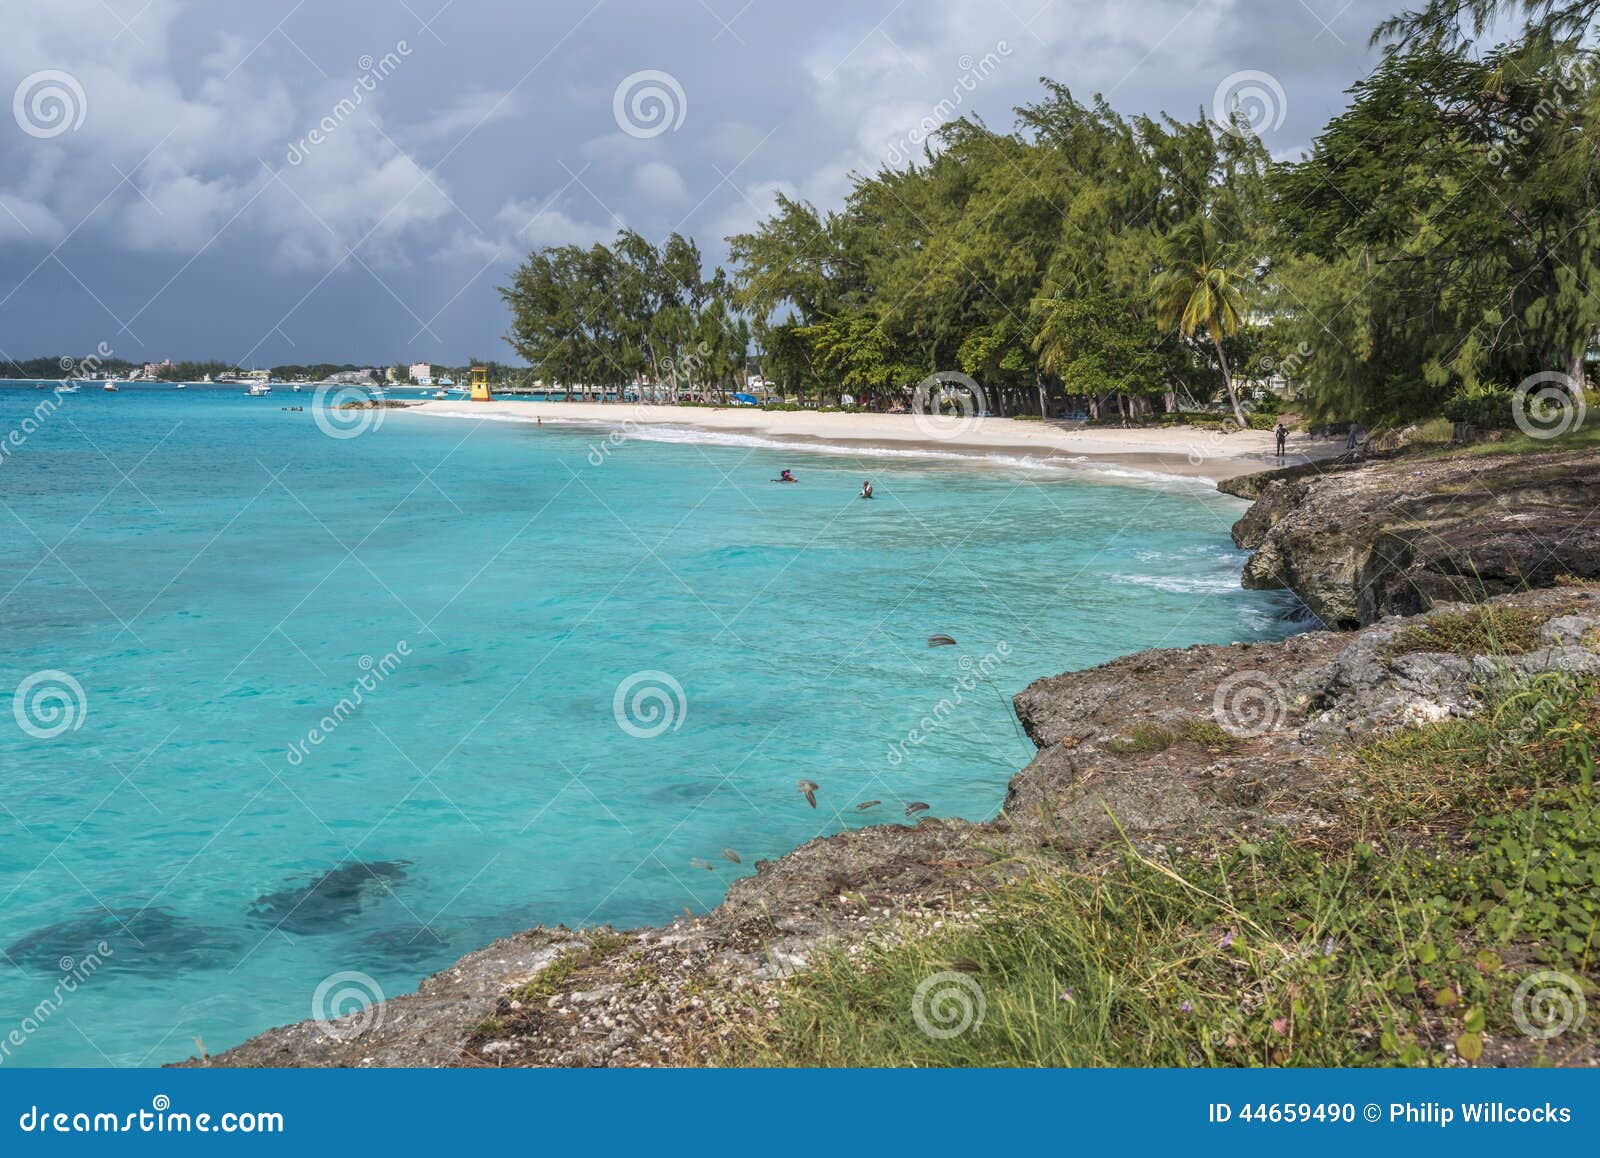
point(1463, 857)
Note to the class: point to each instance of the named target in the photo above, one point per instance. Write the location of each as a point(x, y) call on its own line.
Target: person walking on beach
point(1282, 432)
point(1350, 442)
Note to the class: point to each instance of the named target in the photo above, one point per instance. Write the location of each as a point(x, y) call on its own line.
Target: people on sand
point(786, 475)
point(866, 488)
point(1282, 432)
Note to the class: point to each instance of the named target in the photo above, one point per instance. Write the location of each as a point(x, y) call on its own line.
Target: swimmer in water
point(866, 488)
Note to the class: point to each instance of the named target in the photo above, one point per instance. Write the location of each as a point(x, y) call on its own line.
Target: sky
point(286, 181)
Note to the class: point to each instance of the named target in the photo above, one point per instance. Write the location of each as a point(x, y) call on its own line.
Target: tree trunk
point(1044, 409)
point(1576, 370)
point(1227, 380)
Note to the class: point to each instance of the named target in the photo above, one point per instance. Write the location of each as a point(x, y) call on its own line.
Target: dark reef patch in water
point(411, 945)
point(331, 900)
point(150, 939)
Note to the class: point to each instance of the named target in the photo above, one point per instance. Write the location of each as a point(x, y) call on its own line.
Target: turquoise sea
point(592, 664)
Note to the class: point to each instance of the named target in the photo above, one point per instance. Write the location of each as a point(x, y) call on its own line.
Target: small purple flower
point(1186, 1008)
point(1227, 939)
point(1328, 947)
point(1066, 995)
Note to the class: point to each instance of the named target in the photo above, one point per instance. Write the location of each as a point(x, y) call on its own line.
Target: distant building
point(422, 374)
point(255, 375)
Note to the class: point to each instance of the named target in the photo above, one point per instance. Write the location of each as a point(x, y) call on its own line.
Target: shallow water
point(216, 574)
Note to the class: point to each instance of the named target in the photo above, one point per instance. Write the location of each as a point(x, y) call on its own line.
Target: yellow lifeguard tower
point(480, 385)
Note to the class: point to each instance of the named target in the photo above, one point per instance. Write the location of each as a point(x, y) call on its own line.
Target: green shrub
point(1490, 408)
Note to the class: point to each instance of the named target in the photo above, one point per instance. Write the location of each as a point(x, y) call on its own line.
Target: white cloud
point(467, 113)
point(165, 160)
point(530, 224)
point(659, 181)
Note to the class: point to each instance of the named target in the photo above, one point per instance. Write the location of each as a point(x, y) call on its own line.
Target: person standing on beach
point(1282, 432)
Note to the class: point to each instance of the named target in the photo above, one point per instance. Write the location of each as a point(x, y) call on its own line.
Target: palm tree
point(1196, 292)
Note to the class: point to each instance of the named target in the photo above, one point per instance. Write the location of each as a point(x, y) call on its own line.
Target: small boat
point(67, 388)
point(110, 387)
point(441, 393)
point(297, 387)
point(259, 389)
point(183, 385)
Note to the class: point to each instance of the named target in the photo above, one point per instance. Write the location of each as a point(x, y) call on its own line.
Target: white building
point(422, 373)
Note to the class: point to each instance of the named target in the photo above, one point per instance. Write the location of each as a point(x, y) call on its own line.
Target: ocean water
point(591, 664)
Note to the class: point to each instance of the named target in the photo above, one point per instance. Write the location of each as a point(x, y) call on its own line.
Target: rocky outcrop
point(1398, 537)
point(1158, 748)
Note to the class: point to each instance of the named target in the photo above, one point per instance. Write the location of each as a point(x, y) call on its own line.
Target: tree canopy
point(1438, 238)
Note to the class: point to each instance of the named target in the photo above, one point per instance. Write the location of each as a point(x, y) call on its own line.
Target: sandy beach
point(1188, 453)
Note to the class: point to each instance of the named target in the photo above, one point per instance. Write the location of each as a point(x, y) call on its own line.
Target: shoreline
point(657, 994)
point(1179, 452)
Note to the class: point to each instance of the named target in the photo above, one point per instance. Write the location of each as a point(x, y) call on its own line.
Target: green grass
point(1482, 631)
point(599, 944)
point(1146, 739)
point(1586, 437)
point(1465, 855)
point(1140, 740)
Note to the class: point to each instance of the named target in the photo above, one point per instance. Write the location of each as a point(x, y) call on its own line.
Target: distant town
point(167, 370)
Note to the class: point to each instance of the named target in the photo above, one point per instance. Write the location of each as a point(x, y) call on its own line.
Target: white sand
point(1178, 451)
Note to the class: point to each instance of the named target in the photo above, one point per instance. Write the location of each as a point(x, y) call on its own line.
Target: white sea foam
point(1184, 584)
